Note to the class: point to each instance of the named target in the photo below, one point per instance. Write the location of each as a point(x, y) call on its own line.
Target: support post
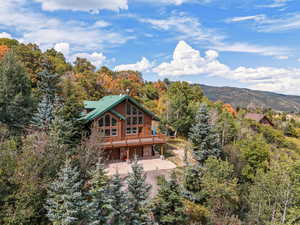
point(162, 152)
point(127, 154)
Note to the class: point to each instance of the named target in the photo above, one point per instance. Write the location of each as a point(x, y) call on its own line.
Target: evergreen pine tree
point(16, 102)
point(99, 208)
point(167, 206)
point(44, 115)
point(48, 89)
point(65, 201)
point(192, 184)
point(62, 129)
point(138, 192)
point(70, 111)
point(48, 81)
point(203, 135)
point(119, 201)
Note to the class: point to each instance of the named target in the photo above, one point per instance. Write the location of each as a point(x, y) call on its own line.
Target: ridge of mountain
point(247, 98)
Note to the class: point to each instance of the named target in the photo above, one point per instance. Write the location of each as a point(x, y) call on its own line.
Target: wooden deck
point(139, 141)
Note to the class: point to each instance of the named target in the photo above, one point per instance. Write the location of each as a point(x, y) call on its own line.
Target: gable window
point(113, 122)
point(107, 120)
point(128, 109)
point(108, 125)
point(141, 120)
point(114, 132)
point(134, 120)
point(101, 122)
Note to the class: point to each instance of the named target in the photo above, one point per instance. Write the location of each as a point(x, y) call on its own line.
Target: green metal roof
point(90, 104)
point(107, 103)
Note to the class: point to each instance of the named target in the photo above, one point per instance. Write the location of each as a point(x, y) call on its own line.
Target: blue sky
point(242, 43)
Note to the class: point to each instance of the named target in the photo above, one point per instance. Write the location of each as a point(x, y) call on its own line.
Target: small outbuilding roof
point(107, 103)
point(254, 116)
point(258, 117)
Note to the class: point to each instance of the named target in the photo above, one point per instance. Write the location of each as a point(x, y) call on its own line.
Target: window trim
point(132, 128)
point(102, 129)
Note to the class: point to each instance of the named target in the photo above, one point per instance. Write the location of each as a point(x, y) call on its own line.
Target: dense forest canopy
point(239, 172)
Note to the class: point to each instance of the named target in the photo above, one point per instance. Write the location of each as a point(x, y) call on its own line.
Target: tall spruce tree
point(138, 191)
point(71, 110)
point(167, 207)
point(16, 101)
point(65, 201)
point(99, 207)
point(44, 115)
point(60, 127)
point(48, 89)
point(204, 137)
point(119, 201)
point(192, 184)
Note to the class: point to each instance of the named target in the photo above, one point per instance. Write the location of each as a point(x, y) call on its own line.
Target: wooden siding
point(124, 145)
point(121, 125)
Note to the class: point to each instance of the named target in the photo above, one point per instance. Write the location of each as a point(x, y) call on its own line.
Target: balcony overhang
point(134, 142)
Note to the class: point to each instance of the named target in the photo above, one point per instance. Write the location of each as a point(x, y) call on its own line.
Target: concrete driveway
point(152, 167)
point(124, 168)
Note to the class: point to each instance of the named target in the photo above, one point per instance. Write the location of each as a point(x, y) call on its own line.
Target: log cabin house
point(127, 128)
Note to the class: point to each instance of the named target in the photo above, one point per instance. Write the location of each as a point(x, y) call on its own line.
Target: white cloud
point(188, 61)
point(101, 23)
point(250, 48)
point(298, 60)
point(282, 57)
point(275, 4)
point(142, 66)
point(5, 35)
point(47, 31)
point(93, 6)
point(97, 59)
point(284, 85)
point(288, 22)
point(63, 47)
point(245, 18)
point(175, 2)
point(189, 28)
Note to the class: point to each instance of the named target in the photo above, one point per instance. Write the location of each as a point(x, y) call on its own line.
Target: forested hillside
point(246, 98)
point(52, 171)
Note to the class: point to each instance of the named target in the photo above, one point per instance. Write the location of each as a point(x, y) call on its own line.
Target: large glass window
point(113, 122)
point(134, 130)
point(128, 109)
point(141, 121)
point(107, 132)
point(134, 110)
point(101, 122)
point(107, 120)
point(114, 132)
point(108, 125)
point(134, 120)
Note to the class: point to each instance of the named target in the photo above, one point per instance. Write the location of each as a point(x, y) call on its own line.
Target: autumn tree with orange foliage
point(226, 125)
point(121, 82)
point(230, 109)
point(3, 50)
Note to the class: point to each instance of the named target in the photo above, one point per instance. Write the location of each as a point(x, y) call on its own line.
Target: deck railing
point(135, 140)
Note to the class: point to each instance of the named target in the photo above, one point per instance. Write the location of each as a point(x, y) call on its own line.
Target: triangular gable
point(107, 103)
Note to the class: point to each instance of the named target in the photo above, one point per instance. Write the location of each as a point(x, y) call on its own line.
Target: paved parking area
point(124, 168)
point(153, 168)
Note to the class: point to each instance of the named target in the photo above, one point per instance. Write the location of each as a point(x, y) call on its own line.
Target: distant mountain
point(246, 98)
